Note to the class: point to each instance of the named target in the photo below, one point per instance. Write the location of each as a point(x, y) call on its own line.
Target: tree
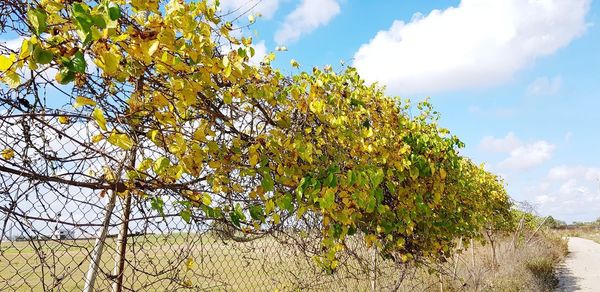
point(168, 84)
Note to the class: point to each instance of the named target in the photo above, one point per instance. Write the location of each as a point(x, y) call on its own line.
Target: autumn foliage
point(172, 83)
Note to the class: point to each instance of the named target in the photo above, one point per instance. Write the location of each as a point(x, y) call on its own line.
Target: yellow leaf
point(225, 61)
point(108, 62)
point(252, 155)
point(99, 117)
point(8, 154)
point(12, 79)
point(367, 132)
point(253, 159)
point(5, 63)
point(153, 47)
point(269, 206)
point(97, 138)
point(190, 264)
point(227, 98)
point(188, 283)
point(109, 174)
point(145, 164)
point(83, 101)
point(63, 120)
point(370, 239)
point(214, 164)
point(316, 106)
point(206, 199)
point(120, 140)
point(25, 49)
point(294, 63)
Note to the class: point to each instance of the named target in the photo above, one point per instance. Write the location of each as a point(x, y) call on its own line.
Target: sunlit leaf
point(99, 117)
point(8, 154)
point(83, 101)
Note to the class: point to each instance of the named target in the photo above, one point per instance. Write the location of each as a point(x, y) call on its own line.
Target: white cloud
point(544, 199)
point(306, 17)
point(266, 8)
point(569, 192)
point(260, 51)
point(478, 43)
point(574, 172)
point(529, 155)
point(12, 44)
point(522, 155)
point(506, 144)
point(545, 86)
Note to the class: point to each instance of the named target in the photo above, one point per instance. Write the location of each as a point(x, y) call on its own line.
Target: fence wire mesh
point(56, 212)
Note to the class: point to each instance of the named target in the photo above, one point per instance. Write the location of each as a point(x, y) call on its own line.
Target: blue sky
point(517, 80)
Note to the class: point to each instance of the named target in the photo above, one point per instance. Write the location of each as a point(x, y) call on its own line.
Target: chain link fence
point(65, 227)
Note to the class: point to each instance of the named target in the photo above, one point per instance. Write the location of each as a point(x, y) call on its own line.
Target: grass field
point(160, 263)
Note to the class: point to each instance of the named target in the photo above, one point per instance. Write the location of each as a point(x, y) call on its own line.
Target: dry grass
point(591, 233)
point(267, 265)
point(528, 267)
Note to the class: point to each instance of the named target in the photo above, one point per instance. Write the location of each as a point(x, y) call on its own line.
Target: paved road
point(581, 270)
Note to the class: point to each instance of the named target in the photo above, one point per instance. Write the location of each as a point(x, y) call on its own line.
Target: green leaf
point(371, 204)
point(114, 11)
point(350, 178)
point(301, 186)
point(158, 204)
point(328, 199)
point(37, 18)
point(240, 212)
point(377, 177)
point(65, 76)
point(267, 183)
point(331, 180)
point(285, 203)
point(237, 215)
point(99, 21)
point(78, 62)
point(42, 56)
point(414, 172)
point(186, 215)
point(161, 164)
point(84, 22)
point(257, 212)
point(235, 219)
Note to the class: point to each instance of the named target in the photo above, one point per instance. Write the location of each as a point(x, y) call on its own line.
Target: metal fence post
point(122, 247)
point(99, 246)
